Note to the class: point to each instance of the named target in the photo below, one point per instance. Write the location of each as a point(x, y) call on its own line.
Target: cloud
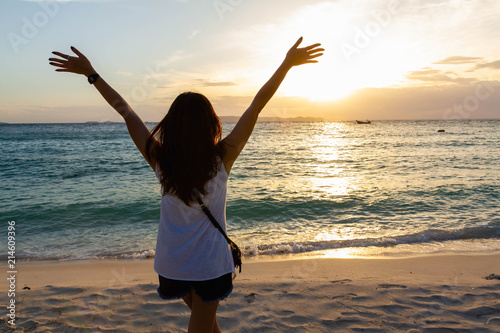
point(210, 83)
point(430, 75)
point(458, 60)
point(492, 64)
point(176, 57)
point(194, 34)
point(478, 100)
point(477, 61)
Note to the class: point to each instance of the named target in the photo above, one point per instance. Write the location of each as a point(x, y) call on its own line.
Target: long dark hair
point(190, 151)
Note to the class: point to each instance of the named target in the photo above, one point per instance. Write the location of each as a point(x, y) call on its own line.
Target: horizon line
point(284, 119)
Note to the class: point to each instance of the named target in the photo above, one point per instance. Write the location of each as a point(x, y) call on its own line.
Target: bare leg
point(188, 300)
point(216, 327)
point(203, 315)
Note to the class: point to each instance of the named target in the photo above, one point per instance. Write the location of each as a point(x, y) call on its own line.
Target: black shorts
point(209, 290)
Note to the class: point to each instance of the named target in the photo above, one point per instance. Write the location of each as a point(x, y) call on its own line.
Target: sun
point(382, 62)
point(318, 82)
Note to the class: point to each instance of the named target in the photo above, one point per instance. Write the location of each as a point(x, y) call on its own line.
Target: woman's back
point(188, 246)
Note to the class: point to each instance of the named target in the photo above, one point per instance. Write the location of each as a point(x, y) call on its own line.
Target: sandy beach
point(439, 293)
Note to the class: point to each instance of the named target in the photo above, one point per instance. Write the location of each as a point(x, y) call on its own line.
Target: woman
point(188, 155)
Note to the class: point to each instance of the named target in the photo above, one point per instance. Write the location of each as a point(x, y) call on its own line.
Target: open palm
point(298, 56)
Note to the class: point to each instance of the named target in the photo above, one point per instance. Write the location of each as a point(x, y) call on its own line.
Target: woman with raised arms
point(190, 158)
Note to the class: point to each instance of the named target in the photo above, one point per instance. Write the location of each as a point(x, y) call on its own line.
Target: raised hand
point(298, 56)
point(78, 65)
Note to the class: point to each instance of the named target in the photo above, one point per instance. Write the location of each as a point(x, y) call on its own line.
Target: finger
point(312, 56)
point(314, 53)
point(63, 70)
point(311, 61)
point(62, 55)
point(315, 50)
point(297, 43)
point(57, 64)
point(58, 60)
point(307, 48)
point(78, 53)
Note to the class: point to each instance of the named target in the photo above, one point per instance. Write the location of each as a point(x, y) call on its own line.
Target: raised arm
point(136, 127)
point(240, 134)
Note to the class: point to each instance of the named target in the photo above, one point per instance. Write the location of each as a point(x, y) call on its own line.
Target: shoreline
point(313, 294)
point(141, 265)
point(400, 251)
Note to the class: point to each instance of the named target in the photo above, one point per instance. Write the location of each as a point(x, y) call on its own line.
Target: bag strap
point(212, 219)
point(234, 247)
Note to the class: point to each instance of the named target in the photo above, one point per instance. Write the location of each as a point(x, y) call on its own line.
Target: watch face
point(92, 78)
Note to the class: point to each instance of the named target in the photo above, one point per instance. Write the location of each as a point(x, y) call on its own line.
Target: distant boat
point(363, 122)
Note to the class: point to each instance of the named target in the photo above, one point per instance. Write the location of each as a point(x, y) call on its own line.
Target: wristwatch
point(92, 78)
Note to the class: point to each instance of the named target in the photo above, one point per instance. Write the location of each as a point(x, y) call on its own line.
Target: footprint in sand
point(389, 285)
point(250, 298)
point(348, 295)
point(341, 281)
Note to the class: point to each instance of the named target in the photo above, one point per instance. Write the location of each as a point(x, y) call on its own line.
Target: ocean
point(391, 188)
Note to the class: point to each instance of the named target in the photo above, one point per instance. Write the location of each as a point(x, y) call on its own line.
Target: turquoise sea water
point(80, 191)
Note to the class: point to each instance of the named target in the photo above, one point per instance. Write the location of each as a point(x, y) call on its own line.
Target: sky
point(384, 59)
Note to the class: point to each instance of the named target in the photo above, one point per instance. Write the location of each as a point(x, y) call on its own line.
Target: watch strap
point(92, 78)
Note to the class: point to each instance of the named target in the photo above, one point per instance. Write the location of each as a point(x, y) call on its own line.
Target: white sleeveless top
point(188, 246)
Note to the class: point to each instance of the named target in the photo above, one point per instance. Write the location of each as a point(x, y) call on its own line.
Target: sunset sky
point(384, 59)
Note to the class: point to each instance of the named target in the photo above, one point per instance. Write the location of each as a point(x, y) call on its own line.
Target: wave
point(490, 231)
